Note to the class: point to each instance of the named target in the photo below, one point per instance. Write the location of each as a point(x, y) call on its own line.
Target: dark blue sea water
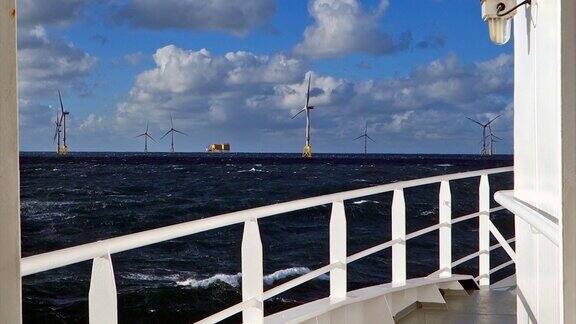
point(91, 196)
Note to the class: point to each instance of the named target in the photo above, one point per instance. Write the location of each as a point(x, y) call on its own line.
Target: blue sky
point(234, 71)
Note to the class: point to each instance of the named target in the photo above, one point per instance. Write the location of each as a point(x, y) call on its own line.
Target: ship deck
point(495, 305)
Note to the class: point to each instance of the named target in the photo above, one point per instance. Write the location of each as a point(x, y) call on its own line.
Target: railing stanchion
point(399, 233)
point(252, 273)
point(102, 298)
point(445, 219)
point(484, 232)
point(338, 242)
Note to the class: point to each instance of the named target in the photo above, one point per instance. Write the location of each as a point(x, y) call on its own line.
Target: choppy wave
point(363, 201)
point(234, 279)
point(231, 280)
point(251, 170)
point(444, 165)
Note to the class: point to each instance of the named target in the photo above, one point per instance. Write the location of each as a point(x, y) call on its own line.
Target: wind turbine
point(172, 131)
point(307, 151)
point(366, 138)
point(62, 149)
point(484, 150)
point(146, 137)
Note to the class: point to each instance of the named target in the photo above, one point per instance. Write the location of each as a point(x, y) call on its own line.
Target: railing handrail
point(60, 258)
point(528, 213)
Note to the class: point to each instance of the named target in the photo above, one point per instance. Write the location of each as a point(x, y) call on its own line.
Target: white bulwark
point(545, 158)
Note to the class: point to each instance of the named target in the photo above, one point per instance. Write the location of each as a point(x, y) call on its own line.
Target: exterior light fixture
point(498, 14)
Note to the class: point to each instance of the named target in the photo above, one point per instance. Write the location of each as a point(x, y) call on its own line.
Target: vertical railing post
point(338, 242)
point(484, 232)
point(252, 273)
point(445, 220)
point(399, 233)
point(10, 280)
point(102, 301)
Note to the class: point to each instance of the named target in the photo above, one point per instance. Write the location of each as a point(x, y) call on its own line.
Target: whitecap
point(251, 170)
point(444, 165)
point(360, 202)
point(285, 273)
point(231, 280)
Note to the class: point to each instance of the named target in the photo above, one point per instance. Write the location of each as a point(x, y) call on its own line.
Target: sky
point(236, 71)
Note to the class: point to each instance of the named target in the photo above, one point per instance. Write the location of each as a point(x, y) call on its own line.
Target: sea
point(85, 197)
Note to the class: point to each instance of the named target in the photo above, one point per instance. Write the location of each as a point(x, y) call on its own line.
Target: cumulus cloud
point(46, 64)
point(53, 12)
point(344, 26)
point(200, 86)
point(244, 93)
point(222, 15)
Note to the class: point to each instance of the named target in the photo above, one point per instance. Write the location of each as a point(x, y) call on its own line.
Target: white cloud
point(223, 15)
point(202, 88)
point(46, 64)
point(343, 26)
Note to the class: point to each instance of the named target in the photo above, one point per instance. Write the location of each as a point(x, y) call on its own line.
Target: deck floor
point(482, 306)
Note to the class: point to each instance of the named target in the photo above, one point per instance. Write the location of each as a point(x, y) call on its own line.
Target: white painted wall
point(544, 141)
point(10, 287)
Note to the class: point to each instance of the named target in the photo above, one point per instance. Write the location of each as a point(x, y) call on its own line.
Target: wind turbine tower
point(307, 151)
point(484, 150)
point(147, 136)
point(366, 138)
point(492, 139)
point(63, 146)
point(171, 132)
point(57, 132)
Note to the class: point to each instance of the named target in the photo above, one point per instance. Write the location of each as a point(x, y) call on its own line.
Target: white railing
point(102, 294)
point(544, 223)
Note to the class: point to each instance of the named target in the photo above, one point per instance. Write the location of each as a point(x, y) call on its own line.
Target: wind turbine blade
point(496, 137)
point(472, 120)
point(298, 113)
point(171, 121)
point(168, 132)
point(150, 137)
point(359, 137)
point(146, 126)
point(493, 119)
point(308, 92)
point(61, 104)
point(370, 138)
point(177, 131)
point(140, 135)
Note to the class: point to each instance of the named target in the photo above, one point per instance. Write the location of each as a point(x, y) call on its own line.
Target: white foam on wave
point(231, 280)
point(363, 201)
point(234, 279)
point(149, 277)
point(444, 165)
point(252, 170)
point(285, 273)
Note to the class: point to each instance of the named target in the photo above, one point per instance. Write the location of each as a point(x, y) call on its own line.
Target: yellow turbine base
point(63, 150)
point(307, 152)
